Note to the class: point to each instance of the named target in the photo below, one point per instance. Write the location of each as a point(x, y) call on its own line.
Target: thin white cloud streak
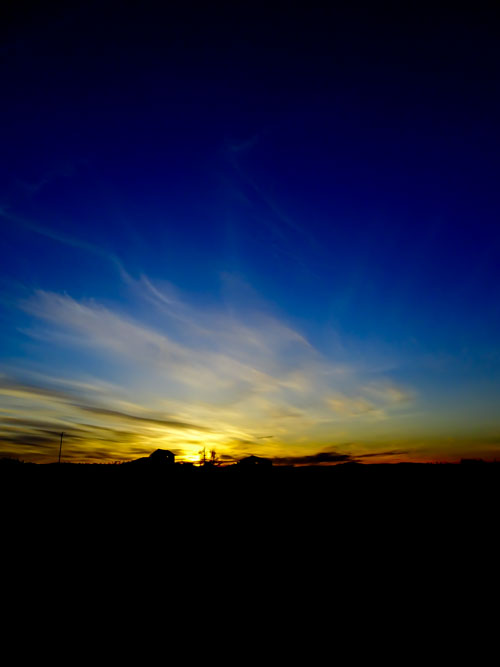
point(72, 242)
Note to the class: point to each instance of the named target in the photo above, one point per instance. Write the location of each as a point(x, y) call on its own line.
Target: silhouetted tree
point(211, 460)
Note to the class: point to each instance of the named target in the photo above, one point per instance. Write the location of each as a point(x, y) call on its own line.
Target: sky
point(260, 231)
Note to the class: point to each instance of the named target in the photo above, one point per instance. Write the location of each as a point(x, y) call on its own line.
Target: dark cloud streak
point(170, 423)
point(322, 458)
point(10, 385)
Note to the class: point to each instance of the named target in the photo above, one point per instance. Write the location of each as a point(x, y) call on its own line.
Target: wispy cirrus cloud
point(373, 400)
point(69, 240)
point(184, 375)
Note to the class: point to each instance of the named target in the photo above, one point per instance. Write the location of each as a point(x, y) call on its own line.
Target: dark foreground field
point(348, 482)
point(415, 508)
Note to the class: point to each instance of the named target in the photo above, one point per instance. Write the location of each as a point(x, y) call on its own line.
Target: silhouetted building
point(162, 456)
point(158, 457)
point(252, 460)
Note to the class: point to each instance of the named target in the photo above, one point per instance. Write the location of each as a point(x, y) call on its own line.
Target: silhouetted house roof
point(255, 461)
point(162, 456)
point(159, 456)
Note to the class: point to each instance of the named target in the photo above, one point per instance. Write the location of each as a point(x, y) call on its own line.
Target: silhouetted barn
point(158, 457)
point(253, 461)
point(162, 456)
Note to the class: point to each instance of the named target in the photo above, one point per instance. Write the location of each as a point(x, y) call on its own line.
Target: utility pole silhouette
point(60, 447)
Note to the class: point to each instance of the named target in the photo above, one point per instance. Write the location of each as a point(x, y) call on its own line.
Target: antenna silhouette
point(60, 447)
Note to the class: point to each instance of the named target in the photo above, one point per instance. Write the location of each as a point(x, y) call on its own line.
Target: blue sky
point(266, 233)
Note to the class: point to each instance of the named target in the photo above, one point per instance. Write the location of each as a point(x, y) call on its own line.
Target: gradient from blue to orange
point(269, 233)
